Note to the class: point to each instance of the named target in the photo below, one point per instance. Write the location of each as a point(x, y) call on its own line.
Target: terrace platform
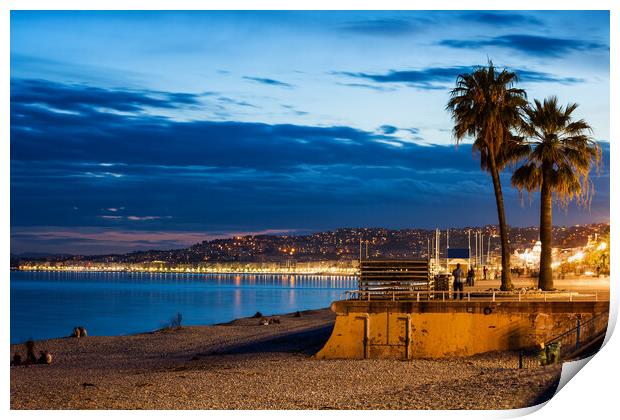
point(429, 325)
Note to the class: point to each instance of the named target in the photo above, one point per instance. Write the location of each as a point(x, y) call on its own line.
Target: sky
point(155, 130)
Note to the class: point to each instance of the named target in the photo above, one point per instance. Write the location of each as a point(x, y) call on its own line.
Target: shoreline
point(165, 329)
point(243, 365)
point(255, 273)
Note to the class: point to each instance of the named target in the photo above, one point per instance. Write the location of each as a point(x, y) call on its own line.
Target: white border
point(592, 394)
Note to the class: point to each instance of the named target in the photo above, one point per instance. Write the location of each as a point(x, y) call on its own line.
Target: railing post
point(418, 296)
point(468, 298)
point(545, 295)
point(578, 333)
point(493, 295)
point(443, 296)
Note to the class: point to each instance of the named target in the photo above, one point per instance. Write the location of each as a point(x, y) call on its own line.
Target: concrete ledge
point(405, 330)
point(475, 306)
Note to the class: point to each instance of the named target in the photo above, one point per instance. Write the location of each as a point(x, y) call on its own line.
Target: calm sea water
point(50, 304)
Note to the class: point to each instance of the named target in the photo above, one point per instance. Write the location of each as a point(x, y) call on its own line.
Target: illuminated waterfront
point(49, 304)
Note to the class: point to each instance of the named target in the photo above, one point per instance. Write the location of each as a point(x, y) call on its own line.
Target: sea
point(50, 304)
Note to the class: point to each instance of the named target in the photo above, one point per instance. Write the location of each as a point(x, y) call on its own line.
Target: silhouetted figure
point(17, 360)
point(484, 272)
point(79, 332)
point(471, 275)
point(458, 281)
point(45, 358)
point(30, 356)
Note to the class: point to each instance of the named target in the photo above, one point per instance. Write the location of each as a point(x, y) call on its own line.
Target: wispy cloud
point(79, 97)
point(500, 18)
point(541, 46)
point(231, 101)
point(383, 27)
point(388, 129)
point(432, 78)
point(267, 81)
point(132, 218)
point(93, 240)
point(365, 86)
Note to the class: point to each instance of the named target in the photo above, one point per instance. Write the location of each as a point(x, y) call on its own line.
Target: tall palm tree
point(486, 106)
point(562, 154)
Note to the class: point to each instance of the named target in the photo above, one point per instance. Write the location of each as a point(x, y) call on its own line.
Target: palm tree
point(562, 154)
point(486, 106)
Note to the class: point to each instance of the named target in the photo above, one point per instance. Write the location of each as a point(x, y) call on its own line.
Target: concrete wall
point(407, 330)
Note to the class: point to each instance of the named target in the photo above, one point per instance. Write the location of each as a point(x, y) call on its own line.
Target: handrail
point(565, 346)
point(579, 327)
point(493, 296)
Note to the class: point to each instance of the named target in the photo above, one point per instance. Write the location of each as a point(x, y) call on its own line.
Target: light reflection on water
point(50, 304)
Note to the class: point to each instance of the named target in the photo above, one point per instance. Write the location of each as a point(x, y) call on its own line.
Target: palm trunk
point(545, 275)
point(503, 228)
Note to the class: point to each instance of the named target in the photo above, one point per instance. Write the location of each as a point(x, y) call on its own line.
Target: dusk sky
point(142, 130)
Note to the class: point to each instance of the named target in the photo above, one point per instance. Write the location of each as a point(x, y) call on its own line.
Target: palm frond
point(562, 145)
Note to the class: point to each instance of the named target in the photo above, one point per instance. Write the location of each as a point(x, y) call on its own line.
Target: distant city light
point(578, 256)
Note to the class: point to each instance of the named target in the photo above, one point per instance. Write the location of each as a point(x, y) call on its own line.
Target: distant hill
point(340, 244)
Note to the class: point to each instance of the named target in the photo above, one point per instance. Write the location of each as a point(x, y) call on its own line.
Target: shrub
point(258, 315)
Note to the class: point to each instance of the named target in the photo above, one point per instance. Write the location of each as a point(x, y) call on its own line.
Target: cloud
point(271, 82)
point(86, 240)
point(77, 98)
point(231, 101)
point(382, 27)
point(433, 78)
point(294, 110)
point(229, 175)
point(500, 18)
point(388, 129)
point(366, 86)
point(540, 46)
point(133, 218)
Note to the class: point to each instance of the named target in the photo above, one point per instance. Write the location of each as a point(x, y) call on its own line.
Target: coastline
point(256, 273)
point(243, 365)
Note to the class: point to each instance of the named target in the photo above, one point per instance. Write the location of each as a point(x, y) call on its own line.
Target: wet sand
point(244, 365)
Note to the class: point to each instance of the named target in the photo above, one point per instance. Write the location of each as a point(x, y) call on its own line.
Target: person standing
point(459, 279)
point(471, 275)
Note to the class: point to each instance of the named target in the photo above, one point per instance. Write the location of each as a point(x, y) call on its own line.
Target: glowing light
point(602, 246)
point(577, 257)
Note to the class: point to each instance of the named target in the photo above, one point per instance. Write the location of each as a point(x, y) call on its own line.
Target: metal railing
point(585, 330)
point(567, 344)
point(485, 296)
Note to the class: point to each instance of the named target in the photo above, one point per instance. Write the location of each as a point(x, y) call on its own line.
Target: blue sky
point(134, 130)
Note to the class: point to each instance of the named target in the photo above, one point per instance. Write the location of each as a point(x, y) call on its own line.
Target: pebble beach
point(246, 365)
